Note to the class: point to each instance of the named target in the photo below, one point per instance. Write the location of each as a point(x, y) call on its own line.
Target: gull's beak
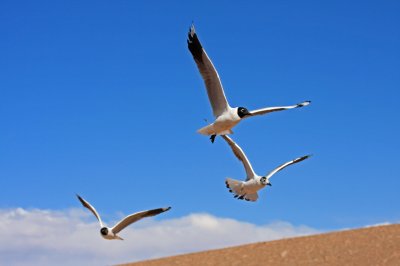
point(269, 184)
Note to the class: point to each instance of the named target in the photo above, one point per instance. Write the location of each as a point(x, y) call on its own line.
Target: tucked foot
point(213, 138)
point(303, 104)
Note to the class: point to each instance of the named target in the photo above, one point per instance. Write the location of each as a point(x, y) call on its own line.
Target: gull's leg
point(212, 138)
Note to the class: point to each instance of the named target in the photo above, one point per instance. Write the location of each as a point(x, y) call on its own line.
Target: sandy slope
point(368, 246)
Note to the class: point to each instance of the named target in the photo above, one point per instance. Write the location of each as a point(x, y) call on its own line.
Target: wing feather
point(241, 156)
point(282, 166)
point(136, 217)
point(267, 110)
point(210, 75)
point(90, 208)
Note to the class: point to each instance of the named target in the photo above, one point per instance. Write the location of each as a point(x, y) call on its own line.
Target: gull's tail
point(236, 187)
point(207, 130)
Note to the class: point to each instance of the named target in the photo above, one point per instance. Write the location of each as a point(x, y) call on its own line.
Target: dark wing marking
point(136, 217)
point(90, 208)
point(210, 75)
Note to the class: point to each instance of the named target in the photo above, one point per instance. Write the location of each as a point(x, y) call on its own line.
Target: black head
point(104, 231)
point(265, 181)
point(242, 112)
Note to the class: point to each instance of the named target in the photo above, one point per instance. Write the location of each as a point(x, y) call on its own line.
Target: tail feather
point(251, 197)
point(236, 187)
point(207, 130)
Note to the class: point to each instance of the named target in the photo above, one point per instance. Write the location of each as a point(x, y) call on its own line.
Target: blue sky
point(103, 99)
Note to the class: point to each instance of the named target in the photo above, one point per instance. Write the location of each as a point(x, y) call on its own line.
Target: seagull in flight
point(226, 117)
point(247, 189)
point(111, 232)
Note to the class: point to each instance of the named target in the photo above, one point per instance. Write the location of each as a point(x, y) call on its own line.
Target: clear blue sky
point(102, 98)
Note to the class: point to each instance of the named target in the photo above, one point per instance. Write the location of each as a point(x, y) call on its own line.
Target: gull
point(247, 189)
point(111, 232)
point(226, 117)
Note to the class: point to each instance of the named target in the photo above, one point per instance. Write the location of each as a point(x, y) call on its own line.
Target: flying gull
point(111, 232)
point(247, 189)
point(226, 117)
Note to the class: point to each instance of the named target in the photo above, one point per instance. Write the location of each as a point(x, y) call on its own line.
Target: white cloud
point(378, 224)
point(43, 237)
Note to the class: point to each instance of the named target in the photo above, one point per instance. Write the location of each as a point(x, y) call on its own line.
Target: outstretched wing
point(210, 76)
point(241, 156)
point(297, 160)
point(91, 208)
point(267, 110)
point(136, 217)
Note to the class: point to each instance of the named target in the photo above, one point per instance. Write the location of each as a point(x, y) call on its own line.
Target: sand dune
point(368, 246)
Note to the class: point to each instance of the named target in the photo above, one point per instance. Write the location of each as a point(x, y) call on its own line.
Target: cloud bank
point(71, 237)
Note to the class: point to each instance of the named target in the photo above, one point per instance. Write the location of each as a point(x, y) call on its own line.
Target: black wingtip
point(304, 157)
point(194, 44)
point(167, 209)
point(305, 103)
point(82, 201)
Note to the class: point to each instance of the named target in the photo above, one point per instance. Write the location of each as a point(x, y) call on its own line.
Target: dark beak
point(269, 184)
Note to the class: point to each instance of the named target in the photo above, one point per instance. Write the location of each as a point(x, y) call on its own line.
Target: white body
point(246, 190)
point(223, 124)
point(253, 185)
point(110, 235)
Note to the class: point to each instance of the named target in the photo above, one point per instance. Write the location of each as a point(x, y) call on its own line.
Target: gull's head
point(265, 181)
point(104, 231)
point(242, 112)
